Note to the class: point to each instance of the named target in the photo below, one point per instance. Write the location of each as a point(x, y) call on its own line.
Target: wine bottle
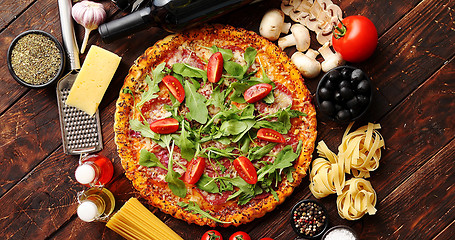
point(171, 15)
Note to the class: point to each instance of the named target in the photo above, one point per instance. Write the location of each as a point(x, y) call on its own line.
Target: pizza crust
point(276, 63)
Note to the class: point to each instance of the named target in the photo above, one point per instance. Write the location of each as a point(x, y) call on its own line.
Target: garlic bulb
point(90, 15)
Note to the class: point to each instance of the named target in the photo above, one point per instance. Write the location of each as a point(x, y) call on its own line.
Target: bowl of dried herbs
point(36, 59)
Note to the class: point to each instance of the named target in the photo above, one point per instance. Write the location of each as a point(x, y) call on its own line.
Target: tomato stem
point(341, 31)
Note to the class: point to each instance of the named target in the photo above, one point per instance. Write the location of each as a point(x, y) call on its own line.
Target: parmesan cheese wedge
point(92, 81)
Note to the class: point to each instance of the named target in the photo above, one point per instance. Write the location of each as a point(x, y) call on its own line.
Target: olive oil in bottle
point(95, 204)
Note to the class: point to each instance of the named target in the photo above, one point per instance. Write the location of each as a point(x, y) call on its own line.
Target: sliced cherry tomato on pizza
point(194, 170)
point(270, 135)
point(215, 67)
point(246, 170)
point(257, 92)
point(175, 87)
point(355, 38)
point(165, 126)
point(240, 235)
point(212, 235)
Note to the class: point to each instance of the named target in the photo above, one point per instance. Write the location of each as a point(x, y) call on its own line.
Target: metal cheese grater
point(81, 133)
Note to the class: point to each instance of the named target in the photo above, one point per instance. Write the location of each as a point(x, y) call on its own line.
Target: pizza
point(215, 126)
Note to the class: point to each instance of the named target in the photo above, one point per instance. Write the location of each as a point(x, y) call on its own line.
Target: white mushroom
point(331, 59)
point(306, 63)
point(312, 23)
point(272, 25)
point(335, 11)
point(286, 8)
point(300, 37)
point(305, 6)
point(297, 16)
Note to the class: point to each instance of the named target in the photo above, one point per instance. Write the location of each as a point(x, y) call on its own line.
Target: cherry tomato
point(194, 170)
point(246, 170)
point(270, 135)
point(175, 87)
point(165, 126)
point(215, 67)
point(257, 92)
point(240, 236)
point(212, 235)
point(355, 38)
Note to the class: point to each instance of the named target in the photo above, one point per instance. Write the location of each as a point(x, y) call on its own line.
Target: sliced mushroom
point(335, 11)
point(286, 8)
point(272, 25)
point(312, 23)
point(300, 37)
point(305, 6)
point(298, 16)
point(324, 37)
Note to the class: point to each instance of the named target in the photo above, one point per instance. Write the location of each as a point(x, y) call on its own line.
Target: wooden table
point(412, 70)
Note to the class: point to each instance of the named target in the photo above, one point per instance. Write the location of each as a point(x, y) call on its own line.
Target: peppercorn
point(308, 219)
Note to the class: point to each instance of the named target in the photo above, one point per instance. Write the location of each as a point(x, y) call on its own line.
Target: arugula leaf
point(150, 93)
point(207, 184)
point(217, 99)
point(187, 147)
point(196, 104)
point(148, 159)
point(259, 152)
point(192, 207)
point(233, 127)
point(234, 69)
point(172, 177)
point(227, 53)
point(144, 129)
point(158, 74)
point(250, 56)
point(283, 160)
point(189, 71)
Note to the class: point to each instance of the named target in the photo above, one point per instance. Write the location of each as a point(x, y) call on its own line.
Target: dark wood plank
point(428, 196)
point(10, 10)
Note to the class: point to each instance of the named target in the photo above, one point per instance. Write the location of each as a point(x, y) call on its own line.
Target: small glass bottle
point(94, 170)
point(95, 204)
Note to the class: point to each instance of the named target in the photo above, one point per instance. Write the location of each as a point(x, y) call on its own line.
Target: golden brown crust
point(276, 62)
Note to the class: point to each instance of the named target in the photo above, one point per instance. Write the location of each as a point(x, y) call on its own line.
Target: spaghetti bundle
point(134, 221)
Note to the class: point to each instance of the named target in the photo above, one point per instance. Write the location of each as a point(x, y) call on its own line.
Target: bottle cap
point(87, 211)
point(85, 174)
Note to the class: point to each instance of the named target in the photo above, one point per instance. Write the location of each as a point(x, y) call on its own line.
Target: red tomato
point(257, 92)
point(215, 67)
point(240, 236)
point(270, 135)
point(355, 38)
point(194, 170)
point(246, 170)
point(212, 235)
point(175, 87)
point(165, 126)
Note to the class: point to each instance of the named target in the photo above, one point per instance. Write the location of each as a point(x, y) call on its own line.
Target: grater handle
point(69, 36)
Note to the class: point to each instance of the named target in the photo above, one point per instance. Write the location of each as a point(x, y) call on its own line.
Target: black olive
point(346, 93)
point(363, 100)
point(333, 75)
point(357, 75)
point(338, 107)
point(325, 94)
point(353, 104)
point(363, 87)
point(328, 108)
point(344, 83)
point(345, 73)
point(343, 115)
point(355, 112)
point(330, 84)
point(338, 97)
